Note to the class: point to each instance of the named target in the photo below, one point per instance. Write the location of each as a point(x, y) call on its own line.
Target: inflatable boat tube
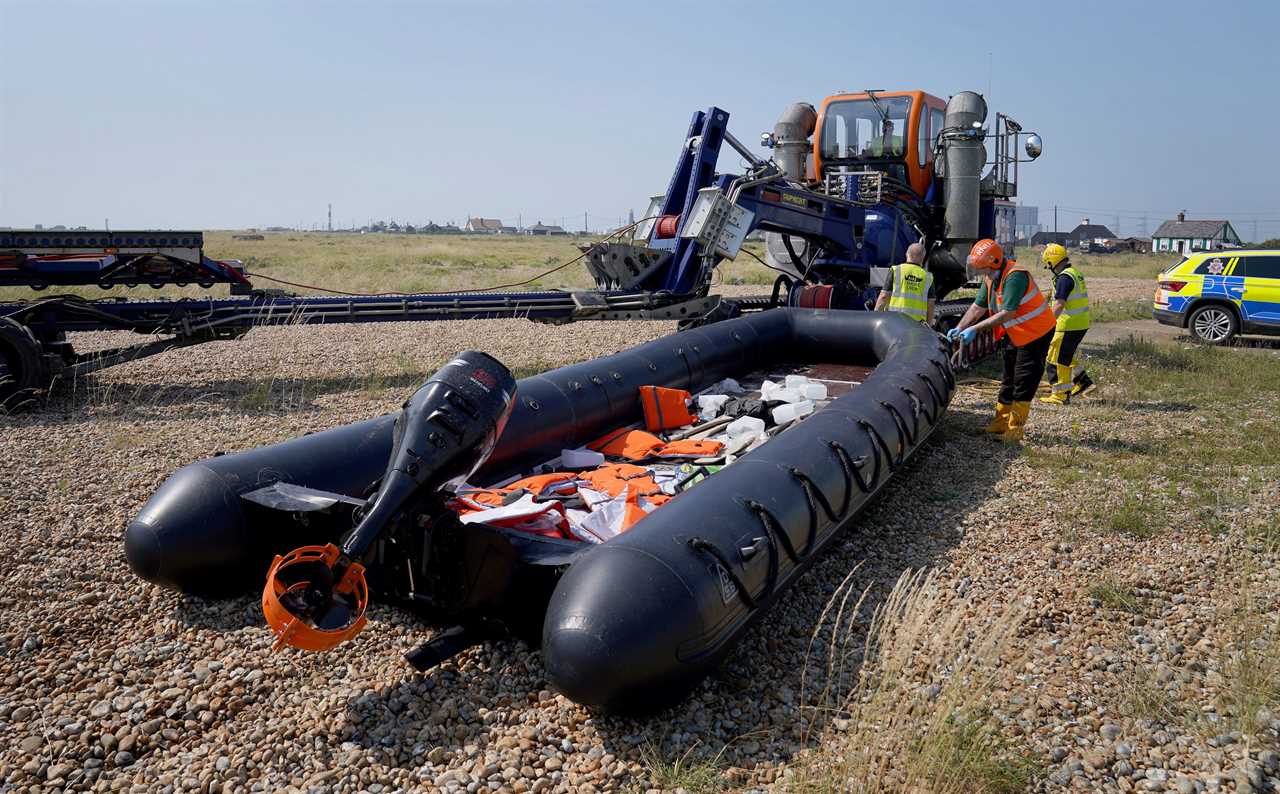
point(636, 622)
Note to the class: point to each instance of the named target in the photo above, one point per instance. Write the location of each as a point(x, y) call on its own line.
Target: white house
point(1183, 236)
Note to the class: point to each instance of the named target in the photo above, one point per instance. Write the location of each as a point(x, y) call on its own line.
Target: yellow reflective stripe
point(1060, 387)
point(1019, 320)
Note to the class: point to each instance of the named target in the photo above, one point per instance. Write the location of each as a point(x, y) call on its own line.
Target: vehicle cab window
point(866, 129)
point(1258, 267)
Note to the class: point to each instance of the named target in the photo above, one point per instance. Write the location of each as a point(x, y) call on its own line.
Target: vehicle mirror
point(1034, 146)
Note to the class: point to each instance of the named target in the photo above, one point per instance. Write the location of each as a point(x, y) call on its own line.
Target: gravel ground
point(112, 684)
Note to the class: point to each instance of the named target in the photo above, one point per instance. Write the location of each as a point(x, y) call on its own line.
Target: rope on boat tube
point(907, 434)
point(937, 397)
point(709, 548)
point(852, 473)
point(918, 405)
point(774, 531)
point(878, 440)
point(816, 498)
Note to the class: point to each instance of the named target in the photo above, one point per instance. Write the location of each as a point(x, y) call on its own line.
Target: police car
point(1216, 295)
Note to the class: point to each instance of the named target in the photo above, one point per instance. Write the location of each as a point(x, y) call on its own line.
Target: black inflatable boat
point(629, 624)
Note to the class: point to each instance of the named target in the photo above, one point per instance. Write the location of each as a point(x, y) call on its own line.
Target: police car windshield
point(862, 129)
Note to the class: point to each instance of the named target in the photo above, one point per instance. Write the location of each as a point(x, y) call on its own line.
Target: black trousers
point(1023, 368)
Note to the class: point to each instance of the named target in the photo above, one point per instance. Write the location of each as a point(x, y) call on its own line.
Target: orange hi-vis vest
point(1032, 319)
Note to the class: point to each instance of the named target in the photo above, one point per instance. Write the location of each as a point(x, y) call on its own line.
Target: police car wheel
point(1213, 324)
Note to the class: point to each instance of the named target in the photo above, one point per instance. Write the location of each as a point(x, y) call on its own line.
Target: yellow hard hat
point(1053, 255)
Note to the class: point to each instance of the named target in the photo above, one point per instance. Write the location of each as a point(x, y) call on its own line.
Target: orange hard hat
point(986, 254)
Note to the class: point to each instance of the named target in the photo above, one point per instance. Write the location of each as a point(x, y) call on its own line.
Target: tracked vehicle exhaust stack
point(963, 141)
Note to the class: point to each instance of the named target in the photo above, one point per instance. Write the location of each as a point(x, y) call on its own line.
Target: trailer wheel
point(23, 374)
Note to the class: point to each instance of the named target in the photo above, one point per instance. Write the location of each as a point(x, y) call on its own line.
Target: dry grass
point(685, 771)
point(906, 707)
point(1248, 620)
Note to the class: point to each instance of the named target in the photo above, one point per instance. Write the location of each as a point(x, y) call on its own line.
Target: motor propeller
point(315, 597)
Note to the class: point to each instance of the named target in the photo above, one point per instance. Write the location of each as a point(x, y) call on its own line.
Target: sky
point(233, 114)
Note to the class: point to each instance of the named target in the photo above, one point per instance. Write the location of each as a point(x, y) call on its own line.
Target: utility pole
point(519, 222)
point(1255, 231)
point(1117, 228)
point(1055, 218)
point(584, 223)
point(330, 217)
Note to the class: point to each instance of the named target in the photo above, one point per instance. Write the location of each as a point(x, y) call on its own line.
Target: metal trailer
point(830, 231)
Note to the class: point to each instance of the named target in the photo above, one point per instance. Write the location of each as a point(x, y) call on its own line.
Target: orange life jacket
point(640, 445)
point(635, 511)
point(627, 443)
point(1032, 319)
point(613, 478)
point(665, 408)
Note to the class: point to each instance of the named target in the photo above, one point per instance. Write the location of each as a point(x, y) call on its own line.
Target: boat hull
point(635, 622)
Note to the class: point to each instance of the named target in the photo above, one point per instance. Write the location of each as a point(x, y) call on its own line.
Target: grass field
point(431, 263)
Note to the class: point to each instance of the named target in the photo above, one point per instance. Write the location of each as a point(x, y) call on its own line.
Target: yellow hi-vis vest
point(1075, 314)
point(909, 293)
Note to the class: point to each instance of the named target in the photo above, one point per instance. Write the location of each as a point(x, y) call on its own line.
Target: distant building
point(1088, 232)
point(1183, 236)
point(483, 226)
point(1044, 238)
point(539, 229)
point(508, 230)
point(436, 228)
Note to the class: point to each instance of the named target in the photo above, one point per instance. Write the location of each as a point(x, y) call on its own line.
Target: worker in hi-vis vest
point(1065, 369)
point(1009, 304)
point(910, 288)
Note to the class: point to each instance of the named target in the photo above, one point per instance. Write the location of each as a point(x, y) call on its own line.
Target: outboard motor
point(315, 596)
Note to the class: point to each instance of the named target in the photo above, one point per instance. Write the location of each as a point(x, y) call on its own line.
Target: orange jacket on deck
point(665, 408)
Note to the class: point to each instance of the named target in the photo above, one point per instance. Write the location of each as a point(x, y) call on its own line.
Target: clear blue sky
point(233, 114)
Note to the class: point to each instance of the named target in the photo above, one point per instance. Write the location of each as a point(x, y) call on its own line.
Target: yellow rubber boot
point(1001, 423)
point(1062, 387)
point(1017, 421)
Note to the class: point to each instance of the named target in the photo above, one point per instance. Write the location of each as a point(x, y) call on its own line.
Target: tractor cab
point(892, 132)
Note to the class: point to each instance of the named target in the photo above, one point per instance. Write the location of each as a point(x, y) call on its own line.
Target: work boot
point(1001, 423)
point(1061, 385)
point(1084, 384)
point(1017, 421)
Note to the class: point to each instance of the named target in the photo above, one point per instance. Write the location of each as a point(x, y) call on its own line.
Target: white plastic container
point(814, 391)
point(768, 388)
point(787, 395)
point(746, 425)
point(796, 381)
point(789, 412)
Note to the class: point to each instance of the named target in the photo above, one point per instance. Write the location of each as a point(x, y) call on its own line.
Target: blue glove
point(953, 334)
point(967, 335)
